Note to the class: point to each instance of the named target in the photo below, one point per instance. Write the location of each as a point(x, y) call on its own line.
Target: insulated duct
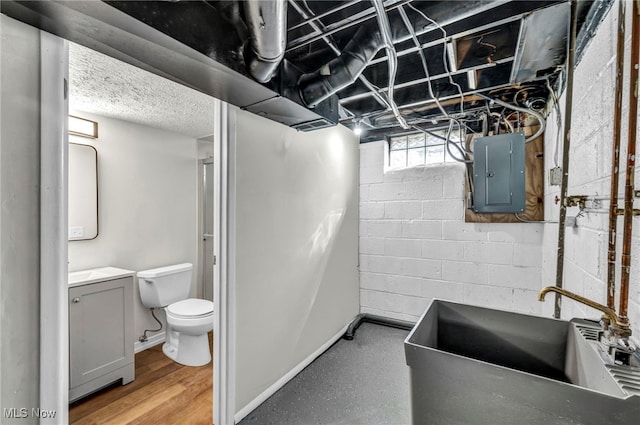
point(267, 23)
point(342, 71)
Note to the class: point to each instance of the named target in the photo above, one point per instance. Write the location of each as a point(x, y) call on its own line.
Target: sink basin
point(474, 365)
point(84, 277)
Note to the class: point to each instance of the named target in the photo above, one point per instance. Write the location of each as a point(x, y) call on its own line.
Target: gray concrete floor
point(359, 382)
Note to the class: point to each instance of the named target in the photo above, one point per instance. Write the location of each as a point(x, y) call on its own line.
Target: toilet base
point(190, 350)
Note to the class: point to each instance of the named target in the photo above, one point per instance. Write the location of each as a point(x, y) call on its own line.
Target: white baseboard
point(150, 342)
point(287, 377)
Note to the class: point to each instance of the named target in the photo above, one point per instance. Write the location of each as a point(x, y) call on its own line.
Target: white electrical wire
point(444, 53)
point(538, 116)
point(448, 144)
point(407, 23)
point(392, 58)
point(556, 105)
point(505, 120)
point(447, 139)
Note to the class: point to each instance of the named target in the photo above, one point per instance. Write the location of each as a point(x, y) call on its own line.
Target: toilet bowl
point(188, 319)
point(188, 323)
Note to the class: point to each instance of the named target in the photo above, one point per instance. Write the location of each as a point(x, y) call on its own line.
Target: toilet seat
point(192, 308)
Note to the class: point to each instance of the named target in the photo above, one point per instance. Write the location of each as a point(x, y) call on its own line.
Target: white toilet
point(188, 319)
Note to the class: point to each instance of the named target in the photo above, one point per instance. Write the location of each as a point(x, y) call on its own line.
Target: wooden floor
point(164, 392)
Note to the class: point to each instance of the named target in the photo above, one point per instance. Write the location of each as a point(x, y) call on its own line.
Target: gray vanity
point(101, 340)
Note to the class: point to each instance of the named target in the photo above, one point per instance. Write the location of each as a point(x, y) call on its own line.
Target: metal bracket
point(576, 201)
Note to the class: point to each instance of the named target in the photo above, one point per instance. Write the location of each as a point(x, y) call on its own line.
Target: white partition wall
point(19, 221)
point(296, 225)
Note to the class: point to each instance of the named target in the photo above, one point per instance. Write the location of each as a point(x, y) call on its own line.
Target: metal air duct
point(267, 23)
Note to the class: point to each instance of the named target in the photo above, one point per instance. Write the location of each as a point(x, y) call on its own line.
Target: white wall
point(20, 219)
point(589, 174)
point(296, 247)
point(148, 200)
point(415, 245)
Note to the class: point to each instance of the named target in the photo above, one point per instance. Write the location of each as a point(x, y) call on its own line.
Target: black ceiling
point(509, 47)
point(500, 48)
point(512, 50)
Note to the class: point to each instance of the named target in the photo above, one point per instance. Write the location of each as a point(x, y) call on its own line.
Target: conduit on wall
point(565, 158)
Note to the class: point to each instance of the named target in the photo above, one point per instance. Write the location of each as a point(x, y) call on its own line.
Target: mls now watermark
point(23, 412)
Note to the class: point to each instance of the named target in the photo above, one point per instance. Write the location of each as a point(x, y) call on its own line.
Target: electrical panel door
point(498, 174)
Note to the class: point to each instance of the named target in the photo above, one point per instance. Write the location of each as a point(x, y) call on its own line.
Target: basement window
point(417, 149)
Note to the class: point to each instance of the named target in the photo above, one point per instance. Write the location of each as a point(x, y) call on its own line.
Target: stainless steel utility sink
point(474, 365)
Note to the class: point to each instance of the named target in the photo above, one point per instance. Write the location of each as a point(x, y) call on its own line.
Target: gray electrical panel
point(498, 171)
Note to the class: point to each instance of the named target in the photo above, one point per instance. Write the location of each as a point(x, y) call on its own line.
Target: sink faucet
point(620, 325)
point(616, 331)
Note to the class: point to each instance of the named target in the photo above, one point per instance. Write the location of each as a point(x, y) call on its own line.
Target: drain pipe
point(267, 23)
point(565, 157)
point(615, 163)
point(631, 163)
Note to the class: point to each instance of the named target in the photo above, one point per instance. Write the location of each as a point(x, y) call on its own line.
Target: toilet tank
point(165, 285)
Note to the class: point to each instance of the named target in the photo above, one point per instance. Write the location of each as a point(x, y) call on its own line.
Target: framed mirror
point(83, 192)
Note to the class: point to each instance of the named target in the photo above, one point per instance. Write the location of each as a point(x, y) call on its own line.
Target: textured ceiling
point(106, 86)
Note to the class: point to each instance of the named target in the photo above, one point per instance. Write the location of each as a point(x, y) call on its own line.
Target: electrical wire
point(556, 105)
point(409, 26)
point(448, 144)
point(502, 118)
point(392, 58)
point(444, 53)
point(538, 116)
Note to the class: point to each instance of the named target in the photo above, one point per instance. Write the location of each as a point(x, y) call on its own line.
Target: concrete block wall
point(415, 245)
point(589, 174)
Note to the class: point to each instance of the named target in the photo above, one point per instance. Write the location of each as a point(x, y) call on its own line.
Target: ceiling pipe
point(267, 23)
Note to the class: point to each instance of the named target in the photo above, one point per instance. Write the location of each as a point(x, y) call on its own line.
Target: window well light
point(83, 127)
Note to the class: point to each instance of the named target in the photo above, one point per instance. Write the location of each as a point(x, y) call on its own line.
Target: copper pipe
point(609, 312)
point(615, 160)
point(631, 163)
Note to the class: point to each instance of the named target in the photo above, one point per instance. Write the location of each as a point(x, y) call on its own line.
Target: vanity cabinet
point(101, 340)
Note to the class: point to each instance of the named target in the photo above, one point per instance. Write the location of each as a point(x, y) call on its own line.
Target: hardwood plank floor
point(164, 392)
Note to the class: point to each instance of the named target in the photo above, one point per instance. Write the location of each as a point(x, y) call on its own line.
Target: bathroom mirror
point(83, 192)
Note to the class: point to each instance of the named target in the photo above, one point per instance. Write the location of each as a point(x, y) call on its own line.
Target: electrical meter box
point(498, 174)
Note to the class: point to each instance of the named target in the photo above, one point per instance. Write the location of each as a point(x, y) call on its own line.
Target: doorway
point(54, 389)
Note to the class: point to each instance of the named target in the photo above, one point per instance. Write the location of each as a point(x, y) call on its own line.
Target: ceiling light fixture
point(357, 129)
